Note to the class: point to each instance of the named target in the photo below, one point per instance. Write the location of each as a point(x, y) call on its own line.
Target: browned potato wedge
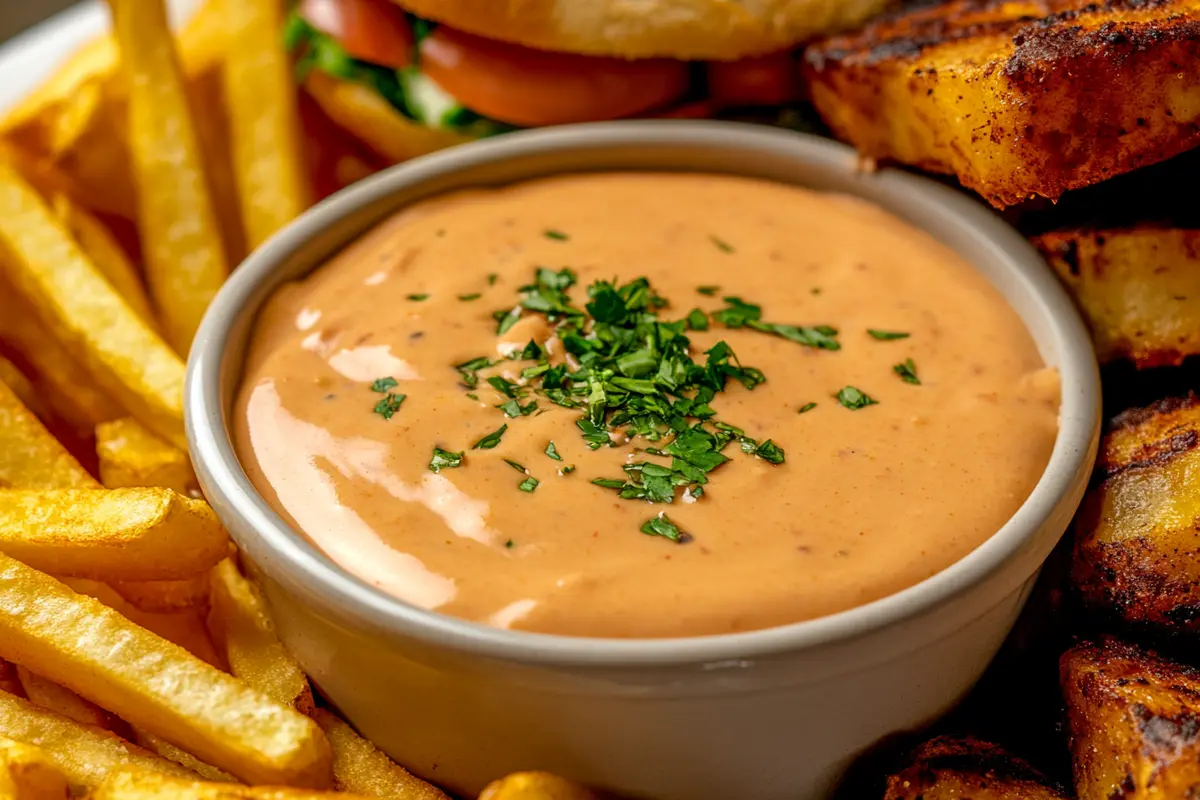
point(1138, 288)
point(1016, 99)
point(1137, 554)
point(953, 768)
point(1133, 723)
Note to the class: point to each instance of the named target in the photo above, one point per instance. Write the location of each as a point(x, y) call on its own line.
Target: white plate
point(28, 59)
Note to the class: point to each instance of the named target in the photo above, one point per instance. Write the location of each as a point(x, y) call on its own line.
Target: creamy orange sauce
point(867, 502)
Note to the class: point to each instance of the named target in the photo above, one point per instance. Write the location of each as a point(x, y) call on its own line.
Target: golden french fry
point(360, 767)
point(105, 253)
point(162, 597)
point(154, 684)
point(12, 377)
point(86, 314)
point(133, 785)
point(120, 534)
point(59, 699)
point(27, 773)
point(83, 753)
point(535, 786)
point(130, 455)
point(30, 458)
point(264, 123)
point(160, 746)
point(241, 626)
point(181, 240)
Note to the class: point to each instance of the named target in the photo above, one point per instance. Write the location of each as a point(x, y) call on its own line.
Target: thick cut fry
point(27, 773)
point(360, 767)
point(20, 386)
point(125, 534)
point(264, 123)
point(105, 253)
point(160, 746)
point(155, 685)
point(535, 786)
point(132, 456)
point(183, 251)
point(163, 597)
point(29, 456)
point(83, 753)
point(86, 314)
point(951, 768)
point(133, 785)
point(61, 700)
point(240, 625)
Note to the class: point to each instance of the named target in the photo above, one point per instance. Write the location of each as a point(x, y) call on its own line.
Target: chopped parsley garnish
point(697, 320)
point(552, 451)
point(740, 314)
point(466, 298)
point(529, 484)
point(557, 236)
point(509, 544)
point(567, 470)
point(770, 452)
point(506, 319)
point(854, 399)
point(663, 526)
point(804, 409)
point(887, 336)
point(382, 385)
point(518, 467)
point(907, 372)
point(389, 405)
point(708, 291)
point(514, 409)
point(492, 277)
point(722, 245)
point(417, 298)
point(444, 459)
point(504, 387)
point(491, 440)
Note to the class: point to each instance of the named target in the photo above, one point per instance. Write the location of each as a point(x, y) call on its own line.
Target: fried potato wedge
point(1138, 288)
point(241, 626)
point(535, 786)
point(1017, 99)
point(83, 753)
point(120, 534)
point(360, 767)
point(162, 597)
point(264, 122)
point(181, 238)
point(1137, 555)
point(952, 768)
point(131, 456)
point(30, 457)
point(160, 746)
point(1132, 720)
point(134, 785)
point(85, 313)
point(155, 685)
point(61, 700)
point(27, 773)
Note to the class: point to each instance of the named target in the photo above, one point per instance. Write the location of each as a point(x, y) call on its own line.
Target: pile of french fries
point(136, 660)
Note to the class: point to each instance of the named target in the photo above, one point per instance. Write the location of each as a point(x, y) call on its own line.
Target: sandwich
point(411, 76)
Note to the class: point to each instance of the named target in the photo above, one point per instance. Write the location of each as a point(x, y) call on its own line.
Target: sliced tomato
point(770, 80)
point(369, 30)
point(528, 87)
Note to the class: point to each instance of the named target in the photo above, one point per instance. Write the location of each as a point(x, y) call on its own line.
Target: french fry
point(155, 685)
point(182, 247)
point(59, 699)
point(360, 767)
point(29, 456)
point(535, 786)
point(20, 386)
point(162, 597)
point(83, 753)
point(263, 119)
point(160, 746)
point(27, 773)
point(133, 785)
point(240, 625)
point(131, 456)
point(121, 534)
point(86, 314)
point(105, 253)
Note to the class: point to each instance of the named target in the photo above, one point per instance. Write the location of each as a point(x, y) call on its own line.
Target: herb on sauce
point(514, 409)
point(506, 319)
point(466, 298)
point(888, 336)
point(567, 470)
point(417, 298)
point(389, 405)
point(770, 452)
point(444, 459)
point(504, 387)
point(509, 544)
point(907, 372)
point(491, 440)
point(518, 467)
point(804, 409)
point(697, 320)
point(552, 451)
point(529, 484)
point(557, 236)
point(854, 399)
point(492, 277)
point(722, 245)
point(708, 291)
point(740, 314)
point(382, 385)
point(663, 526)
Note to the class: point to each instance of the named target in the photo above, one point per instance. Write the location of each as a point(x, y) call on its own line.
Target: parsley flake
point(708, 291)
point(417, 298)
point(491, 440)
point(907, 372)
point(552, 451)
point(663, 526)
point(382, 385)
point(529, 484)
point(722, 245)
point(887, 336)
point(770, 452)
point(444, 459)
point(804, 409)
point(509, 544)
point(389, 405)
point(854, 399)
point(466, 298)
point(519, 468)
point(557, 236)
point(697, 320)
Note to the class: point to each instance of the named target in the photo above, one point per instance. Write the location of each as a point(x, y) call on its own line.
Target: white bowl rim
point(300, 567)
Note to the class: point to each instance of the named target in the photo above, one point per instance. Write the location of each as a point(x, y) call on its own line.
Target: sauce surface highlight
point(869, 499)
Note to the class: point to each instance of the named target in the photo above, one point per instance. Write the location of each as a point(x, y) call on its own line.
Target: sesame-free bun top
point(684, 29)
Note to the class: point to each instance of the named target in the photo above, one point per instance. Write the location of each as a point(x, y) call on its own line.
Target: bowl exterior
point(772, 714)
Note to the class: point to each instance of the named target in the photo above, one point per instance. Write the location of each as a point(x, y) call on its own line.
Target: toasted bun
point(717, 30)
